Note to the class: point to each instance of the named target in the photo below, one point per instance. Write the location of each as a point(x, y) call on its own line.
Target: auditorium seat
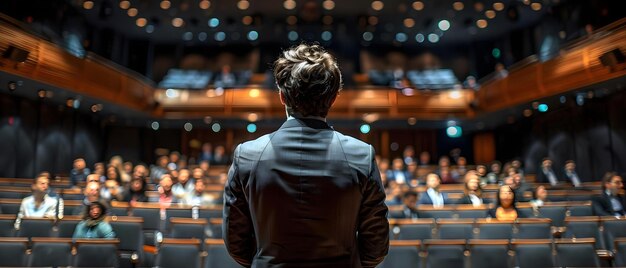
point(176, 212)
point(471, 212)
point(533, 253)
point(217, 255)
point(579, 209)
point(445, 253)
point(178, 253)
point(151, 215)
point(51, 252)
point(412, 229)
point(67, 225)
point(13, 251)
point(10, 206)
point(402, 254)
point(620, 251)
point(72, 207)
point(129, 232)
point(35, 227)
point(554, 213)
point(188, 228)
point(494, 229)
point(215, 225)
point(533, 229)
point(12, 194)
point(96, 253)
point(210, 212)
point(119, 208)
point(7, 228)
point(428, 211)
point(489, 253)
point(584, 227)
point(578, 252)
point(455, 228)
point(613, 228)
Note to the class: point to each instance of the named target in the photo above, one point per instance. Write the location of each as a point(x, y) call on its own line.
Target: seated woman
point(505, 209)
point(472, 191)
point(93, 224)
point(136, 192)
point(540, 196)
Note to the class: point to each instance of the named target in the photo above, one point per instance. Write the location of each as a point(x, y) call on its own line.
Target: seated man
point(112, 191)
point(610, 203)
point(184, 186)
point(570, 173)
point(80, 172)
point(38, 205)
point(92, 194)
point(432, 196)
point(198, 197)
point(409, 200)
point(546, 173)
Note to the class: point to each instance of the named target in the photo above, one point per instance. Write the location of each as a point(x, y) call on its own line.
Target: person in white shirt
point(199, 197)
point(540, 196)
point(472, 191)
point(570, 173)
point(432, 196)
point(184, 186)
point(38, 205)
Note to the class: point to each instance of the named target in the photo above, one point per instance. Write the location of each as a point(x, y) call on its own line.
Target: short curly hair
point(308, 78)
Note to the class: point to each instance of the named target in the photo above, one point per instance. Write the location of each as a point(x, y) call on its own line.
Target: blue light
point(542, 107)
point(216, 127)
point(496, 53)
point(293, 36)
point(365, 128)
point(214, 22)
point(368, 36)
point(419, 38)
point(401, 37)
point(220, 36)
point(253, 35)
point(454, 131)
point(326, 36)
point(155, 125)
point(251, 128)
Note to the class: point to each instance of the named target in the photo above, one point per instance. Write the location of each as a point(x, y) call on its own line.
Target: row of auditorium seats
point(523, 253)
point(62, 252)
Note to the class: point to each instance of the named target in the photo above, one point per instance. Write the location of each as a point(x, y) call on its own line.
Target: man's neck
point(294, 116)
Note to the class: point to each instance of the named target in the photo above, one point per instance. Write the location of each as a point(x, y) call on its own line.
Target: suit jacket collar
point(305, 122)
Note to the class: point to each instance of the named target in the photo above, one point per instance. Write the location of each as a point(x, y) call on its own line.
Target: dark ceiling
point(397, 20)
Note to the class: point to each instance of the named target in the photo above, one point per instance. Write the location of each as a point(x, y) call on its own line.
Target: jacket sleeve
point(237, 225)
point(106, 231)
point(373, 232)
point(598, 207)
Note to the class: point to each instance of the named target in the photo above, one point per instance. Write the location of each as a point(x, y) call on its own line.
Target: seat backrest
point(217, 255)
point(176, 212)
point(491, 229)
point(10, 206)
point(620, 251)
point(428, 212)
point(402, 253)
point(215, 224)
point(613, 228)
point(577, 252)
point(119, 208)
point(455, 228)
point(179, 253)
point(532, 253)
point(35, 227)
point(579, 210)
point(489, 253)
point(445, 253)
point(584, 227)
point(129, 231)
point(151, 217)
point(96, 253)
point(408, 229)
point(13, 251)
point(7, 227)
point(210, 212)
point(67, 226)
point(188, 228)
point(554, 213)
point(55, 252)
point(533, 229)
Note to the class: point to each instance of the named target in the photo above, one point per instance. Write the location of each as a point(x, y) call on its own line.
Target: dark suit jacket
point(602, 205)
point(543, 178)
point(305, 196)
point(466, 200)
point(425, 199)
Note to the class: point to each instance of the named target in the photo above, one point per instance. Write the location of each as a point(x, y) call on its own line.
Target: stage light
point(202, 36)
point(214, 22)
point(527, 112)
point(444, 25)
point(409, 22)
point(327, 20)
point(132, 12)
point(125, 4)
point(187, 36)
point(490, 14)
point(292, 35)
point(188, 126)
point(243, 4)
point(411, 121)
point(165, 4)
point(150, 29)
point(327, 35)
point(220, 36)
point(372, 20)
point(401, 37)
point(580, 99)
point(368, 36)
point(204, 4)
point(433, 38)
point(12, 86)
point(155, 125)
point(458, 6)
point(247, 20)
point(418, 5)
point(88, 5)
point(254, 93)
point(251, 128)
point(535, 6)
point(454, 131)
point(419, 38)
point(172, 93)
point(365, 128)
point(177, 22)
point(292, 20)
point(498, 6)
point(41, 93)
point(289, 4)
point(216, 127)
point(141, 22)
point(328, 4)
point(253, 117)
point(479, 6)
point(394, 146)
point(496, 53)
point(253, 35)
point(377, 5)
point(542, 108)
point(455, 94)
point(481, 23)
point(562, 99)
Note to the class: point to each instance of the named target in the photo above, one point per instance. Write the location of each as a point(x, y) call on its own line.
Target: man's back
point(308, 191)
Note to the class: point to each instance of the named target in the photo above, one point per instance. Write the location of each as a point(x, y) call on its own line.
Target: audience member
point(397, 172)
point(432, 196)
point(93, 224)
point(184, 186)
point(113, 174)
point(540, 196)
point(112, 191)
point(393, 194)
point(408, 155)
point(205, 165)
point(92, 194)
point(79, 172)
point(500, 71)
point(546, 173)
point(505, 209)
point(570, 173)
point(219, 157)
point(610, 202)
point(128, 167)
point(98, 168)
point(470, 83)
point(517, 164)
point(158, 170)
point(198, 197)
point(207, 153)
point(461, 166)
point(166, 196)
point(409, 201)
point(140, 171)
point(136, 192)
point(424, 159)
point(514, 181)
point(225, 78)
point(117, 162)
point(38, 205)
point(472, 192)
point(494, 176)
point(173, 160)
point(182, 162)
point(481, 171)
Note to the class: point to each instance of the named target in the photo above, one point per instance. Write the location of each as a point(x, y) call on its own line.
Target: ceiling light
point(433, 38)
point(444, 25)
point(328, 4)
point(458, 6)
point(292, 35)
point(419, 38)
point(141, 22)
point(253, 117)
point(409, 22)
point(535, 6)
point(124, 4)
point(214, 22)
point(220, 36)
point(377, 5)
point(247, 20)
point(243, 4)
point(401, 37)
point(327, 20)
point(253, 35)
point(479, 6)
point(490, 14)
point(368, 36)
point(292, 20)
point(204, 4)
point(188, 126)
point(150, 29)
point(418, 5)
point(88, 5)
point(165, 4)
point(327, 35)
point(498, 6)
point(251, 128)
point(481, 23)
point(188, 36)
point(289, 4)
point(202, 36)
point(372, 20)
point(132, 12)
point(177, 22)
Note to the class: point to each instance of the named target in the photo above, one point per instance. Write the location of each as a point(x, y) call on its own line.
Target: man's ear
point(282, 98)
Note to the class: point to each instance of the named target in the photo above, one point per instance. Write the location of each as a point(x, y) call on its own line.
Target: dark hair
point(607, 178)
point(409, 194)
point(498, 203)
point(143, 186)
point(479, 191)
point(103, 209)
point(308, 78)
point(536, 190)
